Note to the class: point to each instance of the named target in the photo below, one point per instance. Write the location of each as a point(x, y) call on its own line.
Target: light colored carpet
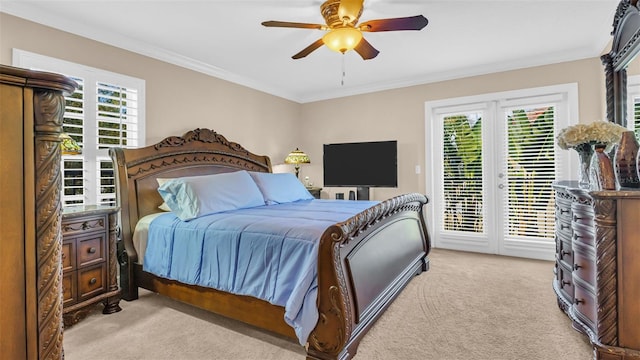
point(467, 306)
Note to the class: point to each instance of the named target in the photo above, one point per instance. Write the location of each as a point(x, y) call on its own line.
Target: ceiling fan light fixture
point(349, 10)
point(342, 39)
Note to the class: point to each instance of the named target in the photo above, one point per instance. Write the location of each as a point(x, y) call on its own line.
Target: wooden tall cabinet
point(597, 271)
point(31, 110)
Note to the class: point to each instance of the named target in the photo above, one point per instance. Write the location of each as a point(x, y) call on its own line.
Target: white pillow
point(194, 196)
point(280, 188)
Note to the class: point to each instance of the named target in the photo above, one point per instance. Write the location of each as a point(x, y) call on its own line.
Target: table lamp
point(297, 157)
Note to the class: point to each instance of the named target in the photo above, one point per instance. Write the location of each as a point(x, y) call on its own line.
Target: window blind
point(462, 173)
point(530, 171)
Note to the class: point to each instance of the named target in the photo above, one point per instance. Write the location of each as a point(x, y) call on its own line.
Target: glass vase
point(626, 167)
point(585, 151)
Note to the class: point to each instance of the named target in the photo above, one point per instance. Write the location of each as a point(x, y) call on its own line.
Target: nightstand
point(315, 191)
point(89, 261)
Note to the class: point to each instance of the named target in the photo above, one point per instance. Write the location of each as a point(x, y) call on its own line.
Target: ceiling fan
point(344, 33)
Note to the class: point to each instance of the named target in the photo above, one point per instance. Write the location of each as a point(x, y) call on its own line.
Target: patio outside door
point(494, 162)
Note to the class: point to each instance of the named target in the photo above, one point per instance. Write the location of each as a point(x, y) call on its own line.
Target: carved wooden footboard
point(363, 262)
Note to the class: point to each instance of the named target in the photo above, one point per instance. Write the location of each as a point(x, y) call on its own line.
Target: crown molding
point(32, 13)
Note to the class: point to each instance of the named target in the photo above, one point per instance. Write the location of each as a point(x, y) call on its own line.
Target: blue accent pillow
point(280, 188)
point(194, 196)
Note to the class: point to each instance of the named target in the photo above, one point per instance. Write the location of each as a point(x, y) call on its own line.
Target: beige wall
point(179, 99)
point(400, 115)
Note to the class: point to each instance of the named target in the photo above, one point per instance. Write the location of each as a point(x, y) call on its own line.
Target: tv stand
point(362, 193)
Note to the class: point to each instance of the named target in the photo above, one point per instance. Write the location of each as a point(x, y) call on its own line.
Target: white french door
point(494, 158)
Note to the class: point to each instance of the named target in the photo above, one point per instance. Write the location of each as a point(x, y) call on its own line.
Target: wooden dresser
point(597, 270)
point(89, 261)
point(31, 111)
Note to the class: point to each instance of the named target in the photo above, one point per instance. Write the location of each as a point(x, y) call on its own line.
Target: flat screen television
point(362, 165)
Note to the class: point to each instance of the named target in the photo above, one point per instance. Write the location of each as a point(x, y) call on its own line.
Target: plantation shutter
point(73, 180)
point(73, 171)
point(106, 181)
point(106, 110)
point(117, 115)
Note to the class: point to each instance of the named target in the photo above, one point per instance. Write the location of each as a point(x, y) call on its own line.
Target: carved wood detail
point(203, 135)
point(113, 268)
point(606, 276)
point(98, 223)
point(195, 158)
point(48, 112)
point(607, 61)
point(361, 222)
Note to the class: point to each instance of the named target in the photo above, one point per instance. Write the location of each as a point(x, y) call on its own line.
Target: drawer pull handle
point(565, 282)
point(92, 250)
point(576, 218)
point(64, 256)
point(565, 252)
point(578, 301)
point(93, 281)
point(564, 226)
point(576, 266)
point(562, 211)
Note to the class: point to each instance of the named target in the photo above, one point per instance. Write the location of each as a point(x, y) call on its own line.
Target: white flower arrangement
point(597, 132)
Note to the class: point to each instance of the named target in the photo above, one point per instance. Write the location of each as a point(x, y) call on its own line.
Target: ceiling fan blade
point(351, 9)
point(406, 23)
point(366, 50)
point(287, 24)
point(308, 50)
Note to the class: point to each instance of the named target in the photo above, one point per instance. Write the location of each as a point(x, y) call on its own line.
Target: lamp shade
point(342, 39)
point(297, 157)
point(68, 145)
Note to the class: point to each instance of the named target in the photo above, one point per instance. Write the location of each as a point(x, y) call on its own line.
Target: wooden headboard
point(197, 152)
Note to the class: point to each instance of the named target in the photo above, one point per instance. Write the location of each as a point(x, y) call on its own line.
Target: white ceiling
point(226, 39)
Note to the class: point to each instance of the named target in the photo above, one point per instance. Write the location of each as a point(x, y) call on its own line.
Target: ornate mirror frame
point(625, 47)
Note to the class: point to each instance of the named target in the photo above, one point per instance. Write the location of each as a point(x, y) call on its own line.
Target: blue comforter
point(269, 252)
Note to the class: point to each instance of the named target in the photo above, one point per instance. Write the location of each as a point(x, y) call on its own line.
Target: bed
point(363, 262)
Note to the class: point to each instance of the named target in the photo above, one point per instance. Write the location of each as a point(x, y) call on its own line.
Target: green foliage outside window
point(530, 171)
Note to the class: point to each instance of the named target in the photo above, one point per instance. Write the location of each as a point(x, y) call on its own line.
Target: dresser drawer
point(584, 215)
point(91, 249)
point(69, 288)
point(585, 306)
point(91, 281)
point(565, 283)
point(563, 209)
point(68, 256)
point(83, 225)
point(565, 253)
point(584, 264)
point(563, 229)
point(583, 234)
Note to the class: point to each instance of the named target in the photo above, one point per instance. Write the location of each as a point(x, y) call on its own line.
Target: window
point(106, 110)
